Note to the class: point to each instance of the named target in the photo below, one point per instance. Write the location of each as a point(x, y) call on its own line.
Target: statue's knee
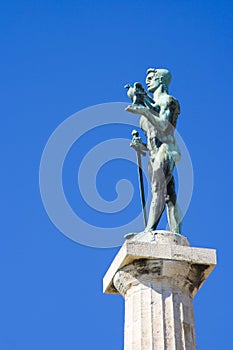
point(170, 198)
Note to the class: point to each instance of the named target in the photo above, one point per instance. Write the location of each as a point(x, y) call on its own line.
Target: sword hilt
point(137, 142)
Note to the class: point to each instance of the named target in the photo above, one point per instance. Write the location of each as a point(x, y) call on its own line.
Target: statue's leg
point(158, 188)
point(173, 211)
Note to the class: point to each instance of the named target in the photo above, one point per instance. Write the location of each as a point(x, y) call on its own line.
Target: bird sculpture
point(139, 96)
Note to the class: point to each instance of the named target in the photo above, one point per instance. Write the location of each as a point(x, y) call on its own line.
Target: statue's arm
point(159, 120)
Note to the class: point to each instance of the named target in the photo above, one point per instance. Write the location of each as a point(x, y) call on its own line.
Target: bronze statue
point(158, 121)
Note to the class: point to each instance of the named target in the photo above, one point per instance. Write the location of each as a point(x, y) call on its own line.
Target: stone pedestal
point(158, 274)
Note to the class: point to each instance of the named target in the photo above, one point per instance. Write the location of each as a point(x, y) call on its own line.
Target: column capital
point(169, 273)
point(156, 256)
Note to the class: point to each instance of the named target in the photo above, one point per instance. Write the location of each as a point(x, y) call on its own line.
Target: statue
point(158, 121)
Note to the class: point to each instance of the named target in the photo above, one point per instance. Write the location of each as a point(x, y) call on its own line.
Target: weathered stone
point(158, 279)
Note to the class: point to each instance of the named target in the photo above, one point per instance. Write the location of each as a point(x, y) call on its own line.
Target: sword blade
point(141, 186)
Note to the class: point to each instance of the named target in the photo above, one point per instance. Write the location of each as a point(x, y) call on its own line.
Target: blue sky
point(58, 57)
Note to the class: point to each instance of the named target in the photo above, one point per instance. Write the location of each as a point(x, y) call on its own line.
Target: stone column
point(158, 274)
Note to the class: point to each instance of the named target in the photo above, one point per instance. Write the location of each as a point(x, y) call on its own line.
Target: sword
point(136, 139)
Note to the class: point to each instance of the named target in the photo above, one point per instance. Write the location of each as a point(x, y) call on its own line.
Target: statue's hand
point(139, 146)
point(136, 109)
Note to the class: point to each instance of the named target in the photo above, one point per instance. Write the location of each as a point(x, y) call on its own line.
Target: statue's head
point(156, 78)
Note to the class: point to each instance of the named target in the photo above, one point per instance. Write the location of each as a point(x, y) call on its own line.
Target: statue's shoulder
point(173, 104)
point(170, 102)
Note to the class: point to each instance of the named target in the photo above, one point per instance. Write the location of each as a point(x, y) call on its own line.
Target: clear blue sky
point(58, 57)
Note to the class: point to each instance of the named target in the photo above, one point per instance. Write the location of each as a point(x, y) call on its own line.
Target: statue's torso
point(166, 139)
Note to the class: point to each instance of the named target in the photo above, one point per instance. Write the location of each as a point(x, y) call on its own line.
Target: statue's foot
point(150, 230)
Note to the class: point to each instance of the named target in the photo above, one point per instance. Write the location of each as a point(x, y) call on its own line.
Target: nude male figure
point(159, 125)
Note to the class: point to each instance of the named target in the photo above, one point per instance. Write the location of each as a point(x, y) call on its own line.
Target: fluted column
point(158, 305)
point(158, 279)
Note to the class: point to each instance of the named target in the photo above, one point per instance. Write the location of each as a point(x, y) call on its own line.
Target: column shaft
point(158, 306)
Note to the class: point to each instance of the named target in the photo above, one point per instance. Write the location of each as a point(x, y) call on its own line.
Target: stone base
point(158, 236)
point(158, 274)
